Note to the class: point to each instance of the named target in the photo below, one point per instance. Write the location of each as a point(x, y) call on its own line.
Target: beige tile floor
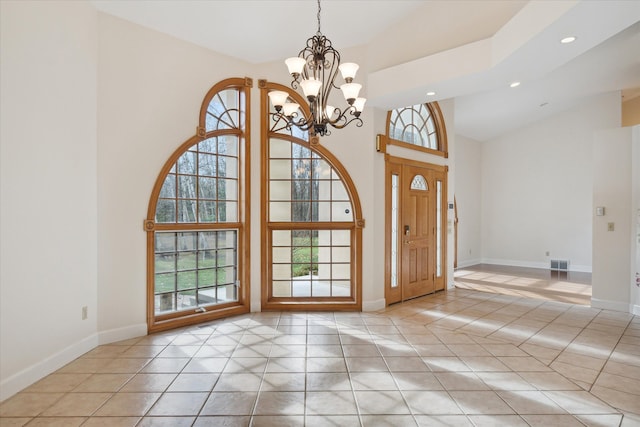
point(460, 358)
point(570, 287)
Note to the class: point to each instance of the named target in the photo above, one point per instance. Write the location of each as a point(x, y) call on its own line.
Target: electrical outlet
point(610, 226)
point(84, 312)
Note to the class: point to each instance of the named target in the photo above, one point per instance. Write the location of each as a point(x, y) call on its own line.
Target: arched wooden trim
point(155, 193)
point(234, 82)
point(355, 303)
point(179, 319)
point(441, 132)
point(441, 128)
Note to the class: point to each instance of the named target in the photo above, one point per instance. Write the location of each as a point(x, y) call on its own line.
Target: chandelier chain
point(319, 8)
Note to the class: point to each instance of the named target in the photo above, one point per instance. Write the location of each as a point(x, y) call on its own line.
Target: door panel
point(418, 238)
point(393, 235)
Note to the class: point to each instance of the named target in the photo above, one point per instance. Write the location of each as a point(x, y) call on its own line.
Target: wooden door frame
point(455, 233)
point(394, 165)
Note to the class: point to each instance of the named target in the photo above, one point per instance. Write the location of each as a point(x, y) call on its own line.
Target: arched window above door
point(420, 127)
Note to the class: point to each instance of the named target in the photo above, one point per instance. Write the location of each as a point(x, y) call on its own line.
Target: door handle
point(406, 230)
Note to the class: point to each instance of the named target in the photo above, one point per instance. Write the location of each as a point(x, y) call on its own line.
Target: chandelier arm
point(335, 64)
point(296, 79)
point(334, 68)
point(277, 119)
point(318, 115)
point(343, 120)
point(303, 123)
point(358, 121)
point(327, 72)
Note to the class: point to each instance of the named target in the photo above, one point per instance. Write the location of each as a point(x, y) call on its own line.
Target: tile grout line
point(610, 353)
point(350, 376)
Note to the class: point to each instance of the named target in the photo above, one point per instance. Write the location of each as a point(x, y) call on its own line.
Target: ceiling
point(497, 41)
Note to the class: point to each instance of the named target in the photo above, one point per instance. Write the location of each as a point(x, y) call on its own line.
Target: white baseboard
point(468, 263)
point(612, 305)
point(121, 334)
point(514, 263)
point(532, 264)
point(636, 310)
point(39, 370)
point(374, 305)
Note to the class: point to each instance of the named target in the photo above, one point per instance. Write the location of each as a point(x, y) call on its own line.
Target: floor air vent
point(560, 264)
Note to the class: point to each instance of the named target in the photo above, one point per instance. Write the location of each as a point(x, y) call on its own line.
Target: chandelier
point(314, 71)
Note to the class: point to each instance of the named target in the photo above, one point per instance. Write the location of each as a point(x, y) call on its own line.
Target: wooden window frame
point(268, 302)
point(441, 133)
point(177, 319)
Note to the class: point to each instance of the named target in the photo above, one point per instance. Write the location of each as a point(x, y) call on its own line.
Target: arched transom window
point(419, 127)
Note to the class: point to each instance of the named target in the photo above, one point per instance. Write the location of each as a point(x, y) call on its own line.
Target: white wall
point(469, 200)
point(536, 191)
point(612, 189)
point(616, 187)
point(448, 112)
point(48, 187)
point(150, 90)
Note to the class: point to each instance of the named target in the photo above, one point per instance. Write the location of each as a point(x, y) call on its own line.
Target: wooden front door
point(416, 230)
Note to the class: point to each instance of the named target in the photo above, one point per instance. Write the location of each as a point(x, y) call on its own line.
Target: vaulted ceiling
point(470, 50)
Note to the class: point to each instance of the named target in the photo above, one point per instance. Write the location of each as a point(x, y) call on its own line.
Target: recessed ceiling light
point(569, 39)
point(431, 93)
point(514, 84)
